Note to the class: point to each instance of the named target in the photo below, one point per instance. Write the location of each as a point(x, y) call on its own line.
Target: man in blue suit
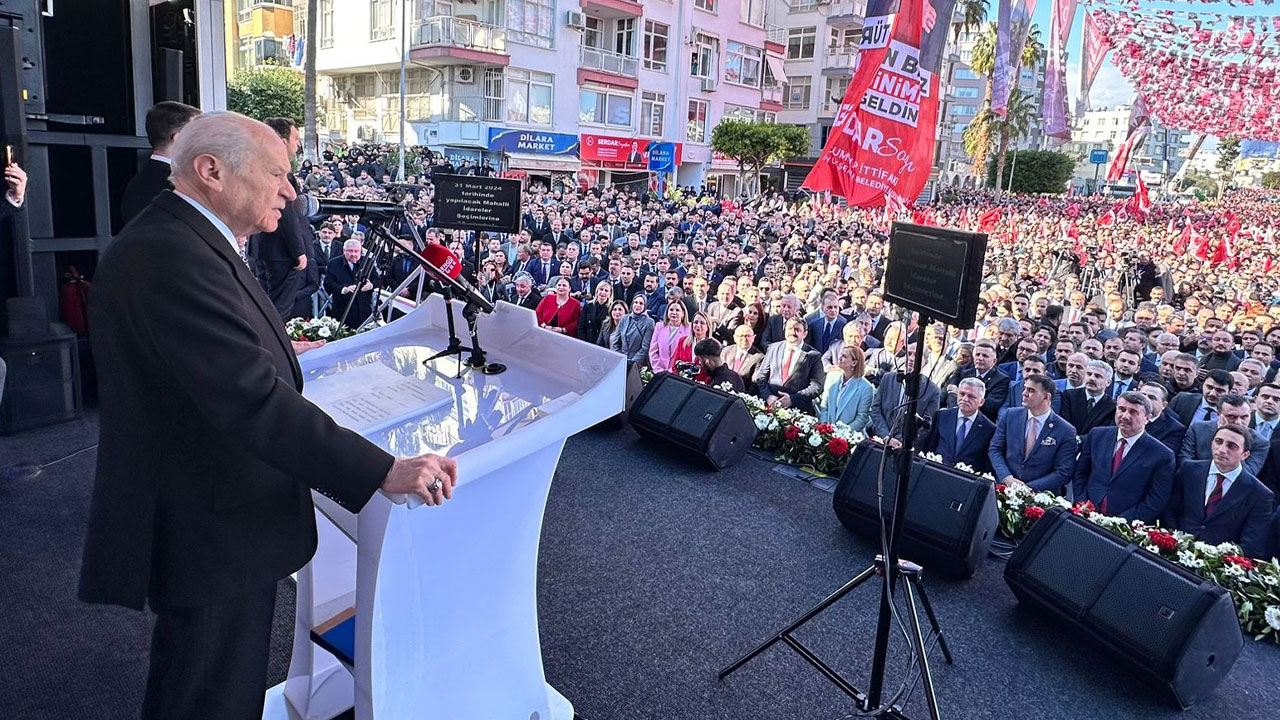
point(961, 434)
point(1032, 445)
point(1027, 347)
point(1218, 501)
point(828, 327)
point(1123, 470)
point(1162, 425)
point(1034, 365)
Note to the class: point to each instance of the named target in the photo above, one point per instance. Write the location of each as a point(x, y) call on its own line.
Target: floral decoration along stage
point(321, 328)
point(797, 438)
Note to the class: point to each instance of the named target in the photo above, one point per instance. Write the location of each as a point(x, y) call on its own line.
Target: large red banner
point(882, 141)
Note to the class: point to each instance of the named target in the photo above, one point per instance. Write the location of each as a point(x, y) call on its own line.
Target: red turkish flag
point(1219, 253)
point(987, 221)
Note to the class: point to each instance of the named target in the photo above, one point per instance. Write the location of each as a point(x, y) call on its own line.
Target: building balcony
point(840, 59)
point(771, 98)
point(828, 108)
point(613, 8)
point(608, 67)
point(245, 13)
point(775, 34)
point(446, 40)
point(847, 12)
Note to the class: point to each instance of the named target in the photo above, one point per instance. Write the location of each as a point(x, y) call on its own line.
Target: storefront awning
point(775, 67)
point(546, 163)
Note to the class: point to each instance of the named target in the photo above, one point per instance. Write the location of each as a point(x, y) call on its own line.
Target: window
point(964, 73)
point(752, 12)
point(655, 46)
point(747, 114)
point(415, 81)
point(965, 92)
point(705, 49)
point(381, 24)
point(959, 127)
point(531, 22)
point(708, 5)
point(263, 51)
point(494, 95)
point(742, 64)
point(697, 130)
point(653, 111)
point(592, 35)
point(800, 42)
point(963, 110)
point(326, 23)
point(624, 36)
point(844, 40)
point(528, 96)
point(364, 85)
point(796, 91)
point(799, 6)
point(833, 91)
point(604, 107)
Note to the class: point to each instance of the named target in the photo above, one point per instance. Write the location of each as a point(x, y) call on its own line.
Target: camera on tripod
point(688, 370)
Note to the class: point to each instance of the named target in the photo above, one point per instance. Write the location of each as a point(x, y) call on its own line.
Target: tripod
point(455, 346)
point(895, 574)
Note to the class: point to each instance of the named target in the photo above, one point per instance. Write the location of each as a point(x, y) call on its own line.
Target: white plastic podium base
point(277, 708)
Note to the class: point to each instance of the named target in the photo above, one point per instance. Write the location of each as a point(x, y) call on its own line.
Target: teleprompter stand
point(895, 574)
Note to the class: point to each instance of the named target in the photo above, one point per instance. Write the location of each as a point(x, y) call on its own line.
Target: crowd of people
point(1121, 357)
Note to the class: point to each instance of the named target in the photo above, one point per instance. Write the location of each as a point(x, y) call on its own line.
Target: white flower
point(773, 424)
point(1270, 580)
point(762, 422)
point(1272, 615)
point(815, 439)
point(1206, 549)
point(1189, 559)
point(1043, 498)
point(964, 467)
point(1234, 570)
point(1061, 502)
point(323, 332)
point(1013, 501)
point(1227, 548)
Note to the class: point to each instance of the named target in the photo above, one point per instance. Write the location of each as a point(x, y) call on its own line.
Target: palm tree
point(1022, 114)
point(969, 15)
point(311, 146)
point(977, 140)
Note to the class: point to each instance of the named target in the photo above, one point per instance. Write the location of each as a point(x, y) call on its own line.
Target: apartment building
point(1158, 159)
point(260, 32)
point(559, 93)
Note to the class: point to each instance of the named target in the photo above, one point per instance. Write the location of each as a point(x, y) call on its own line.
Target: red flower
point(1243, 562)
point(837, 446)
point(825, 428)
point(1035, 512)
point(1163, 540)
point(1001, 487)
point(791, 433)
point(1083, 508)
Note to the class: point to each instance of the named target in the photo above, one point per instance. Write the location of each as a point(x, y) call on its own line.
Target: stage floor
point(653, 574)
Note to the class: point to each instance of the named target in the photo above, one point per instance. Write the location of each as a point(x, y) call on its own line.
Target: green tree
point(989, 132)
point(969, 15)
point(311, 138)
point(1271, 180)
point(981, 141)
point(1228, 153)
point(1038, 171)
point(268, 91)
point(755, 145)
point(1199, 181)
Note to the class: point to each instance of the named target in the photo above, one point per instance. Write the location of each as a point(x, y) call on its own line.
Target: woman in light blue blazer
point(849, 400)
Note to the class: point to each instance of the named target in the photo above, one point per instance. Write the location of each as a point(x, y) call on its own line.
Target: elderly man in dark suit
point(984, 368)
point(961, 434)
point(886, 412)
point(1090, 406)
point(1123, 470)
point(164, 121)
point(1197, 444)
point(790, 375)
point(1219, 501)
point(1032, 444)
point(208, 452)
point(348, 285)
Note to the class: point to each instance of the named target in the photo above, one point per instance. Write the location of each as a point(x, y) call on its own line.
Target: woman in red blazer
point(558, 312)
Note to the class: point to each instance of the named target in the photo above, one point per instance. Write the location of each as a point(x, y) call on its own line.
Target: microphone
point(441, 261)
point(324, 207)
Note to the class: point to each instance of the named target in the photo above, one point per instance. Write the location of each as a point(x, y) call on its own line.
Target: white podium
point(442, 600)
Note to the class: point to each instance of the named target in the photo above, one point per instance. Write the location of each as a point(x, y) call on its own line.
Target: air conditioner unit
point(708, 84)
point(575, 19)
point(466, 76)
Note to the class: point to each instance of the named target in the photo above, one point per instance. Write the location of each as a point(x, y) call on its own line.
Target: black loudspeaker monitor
point(950, 517)
point(1174, 625)
point(694, 417)
point(935, 271)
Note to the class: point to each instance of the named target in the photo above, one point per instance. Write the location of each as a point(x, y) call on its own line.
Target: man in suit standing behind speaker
point(1124, 470)
point(961, 434)
point(207, 451)
point(164, 121)
point(1219, 501)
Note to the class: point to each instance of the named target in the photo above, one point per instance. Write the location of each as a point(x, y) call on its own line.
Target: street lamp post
point(404, 54)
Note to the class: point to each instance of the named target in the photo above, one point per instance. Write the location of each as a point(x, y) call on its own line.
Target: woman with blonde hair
point(848, 401)
point(668, 336)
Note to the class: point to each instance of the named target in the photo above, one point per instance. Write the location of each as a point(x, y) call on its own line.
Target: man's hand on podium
point(430, 477)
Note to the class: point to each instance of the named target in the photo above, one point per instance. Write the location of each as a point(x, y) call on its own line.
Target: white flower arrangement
point(815, 439)
point(1272, 615)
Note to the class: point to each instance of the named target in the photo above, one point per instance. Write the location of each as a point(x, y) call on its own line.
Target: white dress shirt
point(1129, 442)
point(1212, 480)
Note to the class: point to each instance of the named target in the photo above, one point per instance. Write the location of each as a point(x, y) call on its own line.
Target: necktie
point(786, 365)
point(1092, 402)
point(737, 361)
point(1033, 433)
point(1119, 456)
point(1208, 414)
point(826, 335)
point(1265, 431)
point(961, 431)
point(546, 270)
point(1118, 390)
point(244, 256)
point(1215, 496)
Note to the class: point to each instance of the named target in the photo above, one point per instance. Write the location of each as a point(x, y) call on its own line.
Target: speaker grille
point(1074, 565)
point(1147, 607)
point(664, 401)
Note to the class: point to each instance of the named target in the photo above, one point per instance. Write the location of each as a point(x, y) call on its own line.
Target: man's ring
point(435, 486)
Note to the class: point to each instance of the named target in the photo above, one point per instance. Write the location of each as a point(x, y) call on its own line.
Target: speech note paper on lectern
point(372, 397)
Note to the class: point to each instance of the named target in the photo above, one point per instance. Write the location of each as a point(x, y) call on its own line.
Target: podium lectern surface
point(444, 598)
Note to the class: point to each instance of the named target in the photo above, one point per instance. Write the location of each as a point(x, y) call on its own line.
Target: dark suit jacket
point(1075, 410)
point(1168, 430)
point(1184, 407)
point(1269, 475)
point(150, 181)
point(338, 276)
point(206, 446)
point(1197, 444)
point(530, 301)
point(878, 327)
point(1243, 515)
point(885, 417)
point(1012, 369)
point(277, 253)
point(816, 327)
point(973, 452)
point(774, 331)
point(1139, 490)
point(803, 384)
point(997, 390)
point(1051, 462)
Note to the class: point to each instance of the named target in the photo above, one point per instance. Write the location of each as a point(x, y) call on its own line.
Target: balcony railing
point(829, 108)
point(841, 57)
point(449, 31)
point(244, 13)
point(609, 61)
point(771, 94)
point(775, 33)
point(848, 8)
